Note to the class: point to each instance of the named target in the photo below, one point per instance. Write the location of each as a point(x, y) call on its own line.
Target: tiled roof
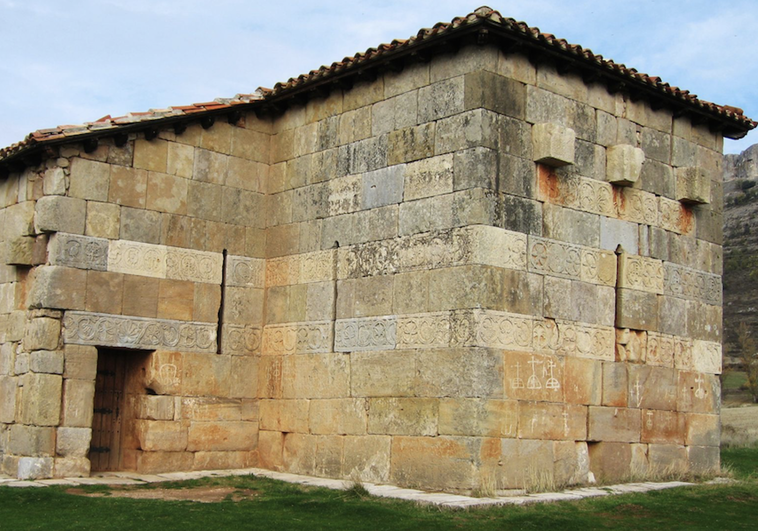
point(519, 35)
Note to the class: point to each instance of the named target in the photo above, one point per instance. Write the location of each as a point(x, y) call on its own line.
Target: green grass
point(282, 506)
point(734, 380)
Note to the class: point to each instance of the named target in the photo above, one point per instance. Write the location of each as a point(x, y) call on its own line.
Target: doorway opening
point(113, 445)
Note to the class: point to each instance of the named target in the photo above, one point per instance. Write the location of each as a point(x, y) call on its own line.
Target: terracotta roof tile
point(483, 15)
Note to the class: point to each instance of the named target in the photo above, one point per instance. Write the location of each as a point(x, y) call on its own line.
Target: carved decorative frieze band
point(365, 334)
point(298, 338)
point(575, 262)
point(641, 273)
point(82, 252)
point(195, 266)
point(638, 206)
point(137, 258)
point(581, 193)
point(429, 330)
point(706, 357)
point(317, 266)
point(686, 283)
point(84, 328)
point(240, 340)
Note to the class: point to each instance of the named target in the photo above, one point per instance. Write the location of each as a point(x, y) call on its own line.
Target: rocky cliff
point(740, 244)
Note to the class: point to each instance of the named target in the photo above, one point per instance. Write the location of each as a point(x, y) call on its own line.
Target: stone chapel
point(478, 257)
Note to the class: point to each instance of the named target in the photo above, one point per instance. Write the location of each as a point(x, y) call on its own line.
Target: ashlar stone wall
point(474, 273)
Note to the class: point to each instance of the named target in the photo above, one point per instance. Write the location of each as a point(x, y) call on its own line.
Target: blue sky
point(72, 61)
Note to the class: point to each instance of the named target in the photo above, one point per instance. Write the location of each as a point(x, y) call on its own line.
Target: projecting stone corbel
point(553, 144)
point(623, 164)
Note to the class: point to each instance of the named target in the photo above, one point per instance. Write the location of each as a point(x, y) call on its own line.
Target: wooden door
point(108, 418)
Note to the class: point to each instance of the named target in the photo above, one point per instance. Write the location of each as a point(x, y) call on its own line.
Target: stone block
point(436, 462)
point(698, 393)
point(89, 179)
point(441, 99)
point(583, 379)
point(19, 220)
point(428, 177)
point(157, 462)
point(667, 458)
point(8, 393)
point(693, 185)
point(222, 436)
point(381, 373)
point(56, 213)
point(71, 467)
point(652, 387)
point(615, 232)
point(41, 399)
point(180, 159)
point(610, 461)
point(73, 442)
point(315, 376)
point(383, 187)
point(156, 407)
point(161, 436)
point(519, 214)
point(459, 372)
point(104, 292)
point(42, 333)
point(271, 449)
point(141, 296)
point(411, 143)
point(284, 415)
point(20, 251)
point(572, 463)
point(478, 417)
point(151, 154)
point(636, 309)
point(403, 416)
point(494, 92)
point(140, 225)
point(475, 168)
point(52, 288)
point(701, 430)
point(328, 455)
point(662, 427)
point(46, 361)
point(553, 144)
point(128, 187)
point(614, 424)
point(31, 468)
point(54, 182)
point(543, 420)
point(225, 460)
point(366, 458)
point(166, 193)
point(31, 440)
point(103, 220)
point(704, 459)
point(346, 416)
point(624, 164)
point(299, 453)
point(78, 403)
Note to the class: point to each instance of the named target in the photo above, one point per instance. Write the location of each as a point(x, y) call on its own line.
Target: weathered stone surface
point(41, 399)
point(56, 213)
point(51, 288)
point(624, 164)
point(35, 467)
point(46, 361)
point(636, 309)
point(78, 402)
point(553, 144)
point(89, 179)
point(42, 334)
point(72, 442)
point(403, 416)
point(610, 461)
point(84, 328)
point(31, 440)
point(614, 424)
point(78, 251)
point(71, 467)
point(693, 185)
point(80, 362)
point(439, 462)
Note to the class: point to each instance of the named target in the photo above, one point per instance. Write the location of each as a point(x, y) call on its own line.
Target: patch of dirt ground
point(196, 494)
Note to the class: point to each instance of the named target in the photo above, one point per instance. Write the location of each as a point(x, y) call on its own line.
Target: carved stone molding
point(82, 252)
point(298, 338)
point(365, 334)
point(84, 328)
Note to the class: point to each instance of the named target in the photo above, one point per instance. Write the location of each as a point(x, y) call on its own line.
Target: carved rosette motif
point(365, 334)
point(424, 330)
point(641, 273)
point(706, 357)
point(245, 272)
point(241, 340)
point(84, 328)
point(501, 330)
point(82, 252)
